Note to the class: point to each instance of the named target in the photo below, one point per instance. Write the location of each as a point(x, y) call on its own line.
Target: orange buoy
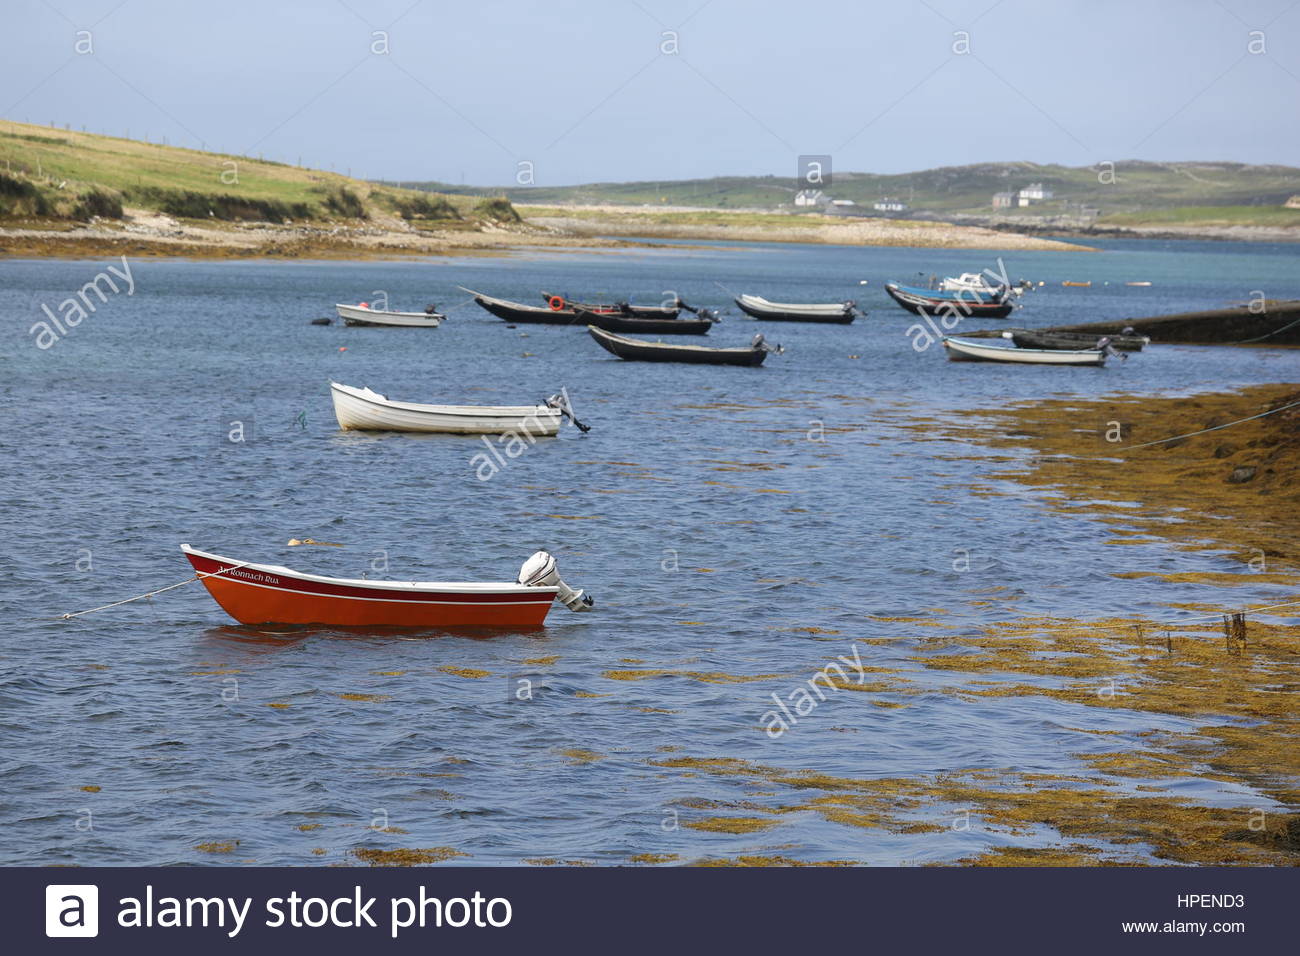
point(556, 302)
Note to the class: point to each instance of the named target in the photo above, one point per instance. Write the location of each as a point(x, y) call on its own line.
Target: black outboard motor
point(560, 403)
point(430, 309)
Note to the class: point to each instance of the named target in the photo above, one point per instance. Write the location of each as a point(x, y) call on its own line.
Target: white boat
point(366, 410)
point(977, 282)
point(364, 315)
point(760, 308)
point(964, 350)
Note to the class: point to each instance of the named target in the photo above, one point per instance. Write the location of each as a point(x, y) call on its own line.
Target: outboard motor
point(539, 572)
point(1104, 345)
point(560, 403)
point(761, 343)
point(430, 309)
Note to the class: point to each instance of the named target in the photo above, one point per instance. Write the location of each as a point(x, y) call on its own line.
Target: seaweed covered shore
point(1234, 490)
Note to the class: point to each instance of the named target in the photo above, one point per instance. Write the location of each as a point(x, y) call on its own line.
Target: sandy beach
point(683, 222)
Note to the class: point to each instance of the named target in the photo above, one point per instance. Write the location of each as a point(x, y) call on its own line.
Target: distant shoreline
point(146, 233)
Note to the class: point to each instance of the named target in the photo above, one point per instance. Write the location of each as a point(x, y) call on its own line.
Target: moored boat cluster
point(266, 594)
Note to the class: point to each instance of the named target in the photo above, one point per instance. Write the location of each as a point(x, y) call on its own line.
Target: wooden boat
point(841, 313)
point(1077, 285)
point(638, 350)
point(518, 312)
point(928, 302)
point(558, 303)
point(271, 594)
point(364, 315)
point(613, 322)
point(966, 350)
point(541, 315)
point(365, 410)
point(1047, 339)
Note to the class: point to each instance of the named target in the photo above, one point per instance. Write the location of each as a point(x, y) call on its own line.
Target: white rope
point(1272, 411)
point(148, 594)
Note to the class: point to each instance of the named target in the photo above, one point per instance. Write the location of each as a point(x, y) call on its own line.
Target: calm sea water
point(710, 526)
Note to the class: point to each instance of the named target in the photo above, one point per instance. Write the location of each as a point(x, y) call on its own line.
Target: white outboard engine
point(539, 572)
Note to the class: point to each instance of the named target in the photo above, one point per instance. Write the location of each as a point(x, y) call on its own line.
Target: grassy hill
point(1141, 191)
point(48, 173)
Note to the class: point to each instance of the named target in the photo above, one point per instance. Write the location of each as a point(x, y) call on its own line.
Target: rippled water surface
point(731, 523)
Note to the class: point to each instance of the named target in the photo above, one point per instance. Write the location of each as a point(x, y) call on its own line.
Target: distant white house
point(809, 197)
point(889, 205)
point(843, 202)
point(1033, 193)
point(1292, 203)
point(1003, 200)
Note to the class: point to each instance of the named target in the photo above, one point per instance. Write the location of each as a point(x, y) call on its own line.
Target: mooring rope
point(1272, 411)
point(1266, 335)
point(148, 594)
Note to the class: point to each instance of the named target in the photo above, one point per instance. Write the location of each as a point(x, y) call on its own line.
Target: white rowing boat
point(760, 308)
point(366, 410)
point(964, 350)
point(364, 315)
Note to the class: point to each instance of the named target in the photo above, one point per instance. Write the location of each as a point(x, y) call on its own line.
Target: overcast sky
point(613, 90)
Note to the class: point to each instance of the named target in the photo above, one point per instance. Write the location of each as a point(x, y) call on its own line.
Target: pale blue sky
point(580, 88)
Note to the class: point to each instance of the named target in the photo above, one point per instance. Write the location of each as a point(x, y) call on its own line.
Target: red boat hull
point(256, 594)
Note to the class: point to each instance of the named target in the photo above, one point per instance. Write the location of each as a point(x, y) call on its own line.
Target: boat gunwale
point(713, 349)
point(398, 587)
point(460, 411)
point(430, 316)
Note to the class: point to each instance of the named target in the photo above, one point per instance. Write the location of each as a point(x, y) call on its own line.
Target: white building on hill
point(1033, 193)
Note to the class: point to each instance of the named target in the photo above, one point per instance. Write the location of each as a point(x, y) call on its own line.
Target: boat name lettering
point(254, 576)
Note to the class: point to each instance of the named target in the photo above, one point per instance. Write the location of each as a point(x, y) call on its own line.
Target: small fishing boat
point(638, 350)
point(930, 302)
point(271, 594)
point(613, 322)
point(841, 313)
point(518, 312)
point(1077, 285)
point(966, 350)
point(558, 303)
point(1047, 339)
point(364, 315)
point(967, 288)
point(544, 315)
point(365, 410)
point(979, 282)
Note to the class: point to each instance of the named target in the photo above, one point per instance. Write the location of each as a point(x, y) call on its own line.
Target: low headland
point(73, 194)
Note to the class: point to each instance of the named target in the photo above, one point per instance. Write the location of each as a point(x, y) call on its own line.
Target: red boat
point(270, 594)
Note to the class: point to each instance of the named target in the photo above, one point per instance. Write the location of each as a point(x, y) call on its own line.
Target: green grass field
point(1146, 193)
point(55, 170)
point(1208, 216)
